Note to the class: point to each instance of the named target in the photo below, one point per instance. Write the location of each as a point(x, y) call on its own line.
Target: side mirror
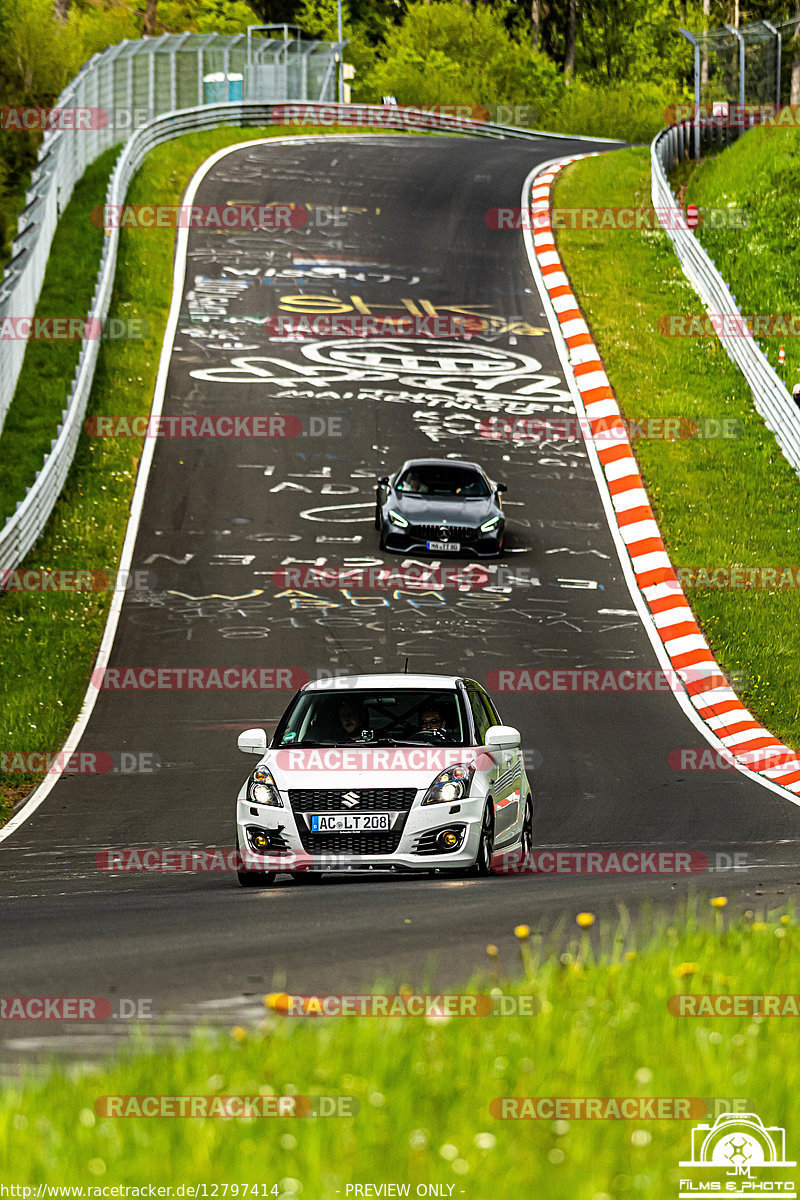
point(383, 481)
point(253, 741)
point(502, 737)
point(501, 487)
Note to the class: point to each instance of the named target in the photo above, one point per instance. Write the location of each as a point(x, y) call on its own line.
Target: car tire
point(526, 834)
point(483, 861)
point(253, 878)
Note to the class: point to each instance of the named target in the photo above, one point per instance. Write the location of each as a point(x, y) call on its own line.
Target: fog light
point(448, 839)
point(260, 841)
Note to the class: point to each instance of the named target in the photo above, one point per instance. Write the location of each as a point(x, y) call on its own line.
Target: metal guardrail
point(770, 397)
point(124, 87)
point(22, 530)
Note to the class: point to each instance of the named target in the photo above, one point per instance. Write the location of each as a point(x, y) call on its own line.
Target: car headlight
point(262, 788)
point(396, 519)
point(450, 785)
point(489, 525)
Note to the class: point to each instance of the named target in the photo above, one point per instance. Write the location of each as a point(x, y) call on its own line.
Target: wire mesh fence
point(115, 94)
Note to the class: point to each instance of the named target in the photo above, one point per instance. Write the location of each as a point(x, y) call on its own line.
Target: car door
point(508, 783)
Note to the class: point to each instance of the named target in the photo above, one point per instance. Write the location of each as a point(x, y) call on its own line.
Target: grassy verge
point(61, 632)
point(41, 392)
point(718, 502)
point(598, 1025)
point(760, 176)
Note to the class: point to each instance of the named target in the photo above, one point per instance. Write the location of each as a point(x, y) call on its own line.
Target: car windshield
point(405, 717)
point(461, 482)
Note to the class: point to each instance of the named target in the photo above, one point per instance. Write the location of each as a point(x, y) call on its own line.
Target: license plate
point(444, 546)
point(350, 822)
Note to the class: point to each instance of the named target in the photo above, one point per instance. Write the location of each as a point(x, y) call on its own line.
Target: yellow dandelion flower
point(522, 932)
point(585, 919)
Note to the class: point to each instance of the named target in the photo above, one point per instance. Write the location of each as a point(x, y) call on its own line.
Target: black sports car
point(442, 506)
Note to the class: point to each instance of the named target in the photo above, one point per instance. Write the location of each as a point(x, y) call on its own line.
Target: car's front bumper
point(399, 542)
point(321, 852)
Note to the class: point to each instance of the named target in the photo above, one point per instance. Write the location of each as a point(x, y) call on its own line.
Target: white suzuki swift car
point(375, 773)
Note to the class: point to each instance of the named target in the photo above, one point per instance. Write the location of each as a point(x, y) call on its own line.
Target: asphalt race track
point(397, 226)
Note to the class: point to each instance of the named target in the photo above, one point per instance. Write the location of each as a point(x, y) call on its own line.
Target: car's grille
point(350, 843)
point(455, 533)
point(322, 800)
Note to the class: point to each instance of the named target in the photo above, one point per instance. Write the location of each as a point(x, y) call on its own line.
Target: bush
point(633, 112)
point(446, 53)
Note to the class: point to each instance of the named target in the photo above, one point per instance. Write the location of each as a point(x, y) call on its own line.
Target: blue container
point(214, 89)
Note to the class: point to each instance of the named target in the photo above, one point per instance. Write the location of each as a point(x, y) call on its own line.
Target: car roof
point(347, 683)
point(441, 462)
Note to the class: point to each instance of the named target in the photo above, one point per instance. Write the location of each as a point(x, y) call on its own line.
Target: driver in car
point(353, 721)
point(412, 483)
point(431, 721)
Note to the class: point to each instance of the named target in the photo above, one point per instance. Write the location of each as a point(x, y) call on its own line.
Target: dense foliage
point(605, 67)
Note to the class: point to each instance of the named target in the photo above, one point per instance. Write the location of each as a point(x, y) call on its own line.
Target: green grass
point(760, 175)
point(41, 394)
point(717, 502)
point(600, 1028)
point(61, 632)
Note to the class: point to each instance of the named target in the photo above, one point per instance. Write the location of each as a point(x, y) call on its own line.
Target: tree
point(569, 51)
point(447, 53)
point(149, 22)
point(794, 95)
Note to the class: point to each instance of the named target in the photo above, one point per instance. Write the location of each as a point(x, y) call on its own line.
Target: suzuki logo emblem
point(350, 799)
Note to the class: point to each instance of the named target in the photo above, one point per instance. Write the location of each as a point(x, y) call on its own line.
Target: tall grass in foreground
point(424, 1086)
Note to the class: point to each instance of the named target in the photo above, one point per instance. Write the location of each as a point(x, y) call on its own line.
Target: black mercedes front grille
point(350, 843)
point(431, 533)
point(321, 800)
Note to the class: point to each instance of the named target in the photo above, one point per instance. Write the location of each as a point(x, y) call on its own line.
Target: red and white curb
point(752, 747)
